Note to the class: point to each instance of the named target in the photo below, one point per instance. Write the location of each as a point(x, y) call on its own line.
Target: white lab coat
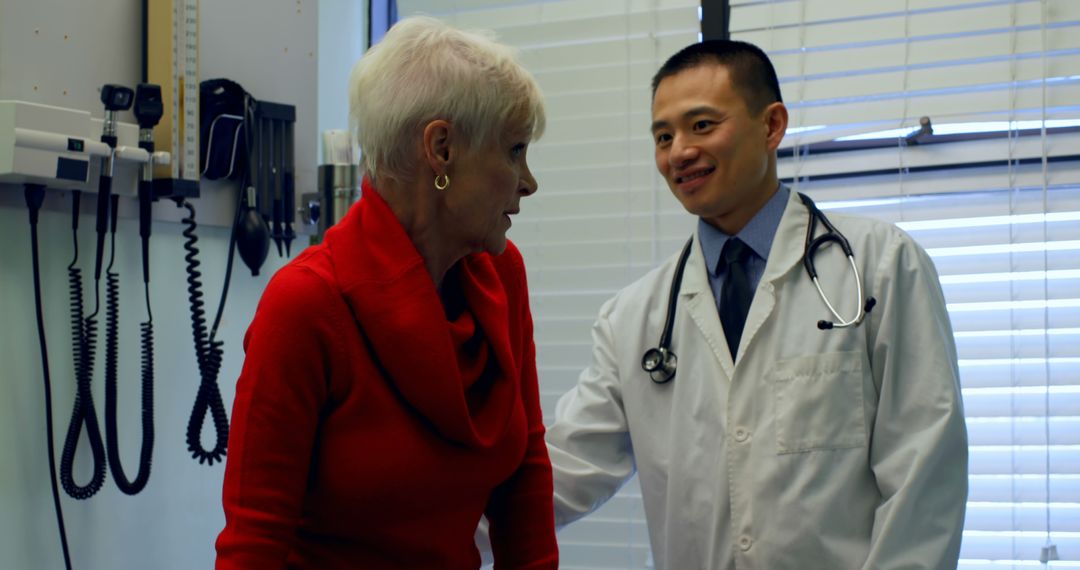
point(838, 449)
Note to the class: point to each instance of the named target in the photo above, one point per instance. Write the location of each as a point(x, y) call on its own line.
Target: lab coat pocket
point(819, 402)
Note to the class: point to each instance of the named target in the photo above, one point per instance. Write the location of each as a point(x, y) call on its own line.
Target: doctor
point(777, 444)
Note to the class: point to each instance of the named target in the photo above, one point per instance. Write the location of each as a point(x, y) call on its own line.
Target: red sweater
point(369, 431)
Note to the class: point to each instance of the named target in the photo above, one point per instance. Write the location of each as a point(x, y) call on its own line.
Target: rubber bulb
point(252, 240)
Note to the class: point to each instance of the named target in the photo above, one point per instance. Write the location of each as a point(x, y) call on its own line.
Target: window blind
point(854, 65)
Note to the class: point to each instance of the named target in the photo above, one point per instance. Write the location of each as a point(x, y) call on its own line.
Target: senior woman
point(389, 395)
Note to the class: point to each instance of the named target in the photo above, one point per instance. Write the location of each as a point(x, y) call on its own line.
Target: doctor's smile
point(693, 180)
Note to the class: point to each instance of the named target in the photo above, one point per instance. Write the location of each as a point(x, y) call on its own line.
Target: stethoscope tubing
point(680, 268)
point(831, 235)
point(860, 311)
point(660, 362)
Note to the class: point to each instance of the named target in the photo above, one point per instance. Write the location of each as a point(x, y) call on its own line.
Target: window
point(1000, 216)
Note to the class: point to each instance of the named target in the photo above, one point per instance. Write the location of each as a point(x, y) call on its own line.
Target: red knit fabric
point(369, 431)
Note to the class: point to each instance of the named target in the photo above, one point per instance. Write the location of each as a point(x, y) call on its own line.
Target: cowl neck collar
point(459, 375)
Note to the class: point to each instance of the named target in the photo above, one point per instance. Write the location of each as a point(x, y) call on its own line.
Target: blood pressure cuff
point(222, 148)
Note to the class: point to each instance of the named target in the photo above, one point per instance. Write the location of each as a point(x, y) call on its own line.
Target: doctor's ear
point(438, 139)
point(775, 117)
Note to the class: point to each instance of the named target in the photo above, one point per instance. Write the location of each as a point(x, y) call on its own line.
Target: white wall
point(342, 40)
point(59, 52)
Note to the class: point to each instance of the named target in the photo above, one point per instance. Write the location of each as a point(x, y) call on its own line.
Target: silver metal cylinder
point(339, 189)
point(108, 126)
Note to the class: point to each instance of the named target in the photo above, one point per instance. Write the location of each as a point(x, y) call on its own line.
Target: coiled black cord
point(208, 352)
point(84, 339)
point(75, 289)
point(35, 195)
point(147, 334)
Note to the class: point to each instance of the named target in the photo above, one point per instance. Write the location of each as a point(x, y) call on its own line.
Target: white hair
point(424, 70)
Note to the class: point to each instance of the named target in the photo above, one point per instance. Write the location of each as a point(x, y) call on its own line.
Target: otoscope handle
point(76, 200)
point(114, 209)
point(146, 196)
point(104, 195)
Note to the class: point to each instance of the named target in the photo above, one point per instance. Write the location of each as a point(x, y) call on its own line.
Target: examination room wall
point(602, 217)
point(59, 52)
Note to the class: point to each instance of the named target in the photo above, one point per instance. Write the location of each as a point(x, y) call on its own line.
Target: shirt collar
point(758, 232)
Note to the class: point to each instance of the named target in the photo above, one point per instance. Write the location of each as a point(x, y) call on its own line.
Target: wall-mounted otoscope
point(116, 98)
point(148, 111)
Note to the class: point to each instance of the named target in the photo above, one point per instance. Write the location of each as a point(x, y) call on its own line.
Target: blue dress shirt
point(758, 234)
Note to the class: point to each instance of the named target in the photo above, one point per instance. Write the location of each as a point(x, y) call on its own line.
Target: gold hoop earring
point(444, 184)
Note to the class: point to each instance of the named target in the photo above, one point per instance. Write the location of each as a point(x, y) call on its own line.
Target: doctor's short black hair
point(752, 74)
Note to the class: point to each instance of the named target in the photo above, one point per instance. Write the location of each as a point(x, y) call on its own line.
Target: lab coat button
point(745, 542)
point(741, 435)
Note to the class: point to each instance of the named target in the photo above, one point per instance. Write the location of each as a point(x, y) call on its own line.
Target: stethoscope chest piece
point(660, 363)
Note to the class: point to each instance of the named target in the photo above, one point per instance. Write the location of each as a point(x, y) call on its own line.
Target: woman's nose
point(528, 184)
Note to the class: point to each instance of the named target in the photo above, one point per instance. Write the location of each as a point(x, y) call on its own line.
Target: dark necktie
point(736, 294)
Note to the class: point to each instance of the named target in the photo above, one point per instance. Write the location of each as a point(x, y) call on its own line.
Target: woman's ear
point(437, 145)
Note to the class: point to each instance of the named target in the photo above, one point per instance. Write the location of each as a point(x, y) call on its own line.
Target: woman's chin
point(495, 246)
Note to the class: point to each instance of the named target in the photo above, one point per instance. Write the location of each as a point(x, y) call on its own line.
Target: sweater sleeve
point(520, 511)
point(282, 388)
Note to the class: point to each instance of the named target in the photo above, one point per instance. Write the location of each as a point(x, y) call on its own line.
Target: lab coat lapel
point(696, 295)
point(784, 256)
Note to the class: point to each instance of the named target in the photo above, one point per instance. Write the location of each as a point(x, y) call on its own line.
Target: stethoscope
point(661, 362)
